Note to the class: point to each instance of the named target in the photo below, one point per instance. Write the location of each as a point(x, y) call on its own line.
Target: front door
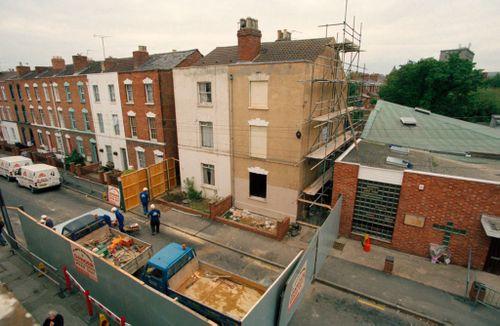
point(123, 153)
point(94, 152)
point(493, 259)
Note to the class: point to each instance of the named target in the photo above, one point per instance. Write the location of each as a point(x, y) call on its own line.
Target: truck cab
point(162, 267)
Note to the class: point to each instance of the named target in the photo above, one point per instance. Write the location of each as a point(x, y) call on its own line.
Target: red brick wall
point(446, 200)
point(345, 183)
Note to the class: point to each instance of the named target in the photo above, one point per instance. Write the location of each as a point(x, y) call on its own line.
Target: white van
point(10, 164)
point(38, 176)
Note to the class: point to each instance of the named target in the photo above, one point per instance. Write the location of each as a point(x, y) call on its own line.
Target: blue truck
point(219, 295)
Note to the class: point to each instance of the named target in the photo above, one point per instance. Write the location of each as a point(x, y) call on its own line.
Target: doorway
point(493, 259)
point(123, 153)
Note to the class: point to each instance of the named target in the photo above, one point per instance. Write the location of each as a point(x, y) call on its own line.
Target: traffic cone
point(366, 243)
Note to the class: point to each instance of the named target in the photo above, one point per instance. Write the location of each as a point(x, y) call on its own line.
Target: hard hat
point(152, 206)
point(145, 189)
point(44, 217)
point(114, 209)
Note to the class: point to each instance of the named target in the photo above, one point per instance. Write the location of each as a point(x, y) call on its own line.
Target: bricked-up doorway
point(493, 261)
point(375, 209)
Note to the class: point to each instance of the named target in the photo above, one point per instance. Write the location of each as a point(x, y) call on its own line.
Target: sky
point(393, 31)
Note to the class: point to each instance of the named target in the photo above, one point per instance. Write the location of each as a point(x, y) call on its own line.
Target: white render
point(189, 114)
point(10, 133)
point(107, 108)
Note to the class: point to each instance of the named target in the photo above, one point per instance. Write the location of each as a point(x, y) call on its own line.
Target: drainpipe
point(231, 135)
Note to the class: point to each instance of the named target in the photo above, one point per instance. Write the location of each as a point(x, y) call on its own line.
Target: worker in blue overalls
point(104, 217)
point(154, 216)
point(119, 218)
point(144, 196)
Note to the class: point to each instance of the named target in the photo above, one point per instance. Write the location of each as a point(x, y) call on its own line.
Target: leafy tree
point(494, 81)
point(75, 158)
point(444, 87)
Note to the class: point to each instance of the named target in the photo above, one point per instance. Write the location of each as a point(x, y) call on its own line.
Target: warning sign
point(297, 286)
point(84, 262)
point(114, 196)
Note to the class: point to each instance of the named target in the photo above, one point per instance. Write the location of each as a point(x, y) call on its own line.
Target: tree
point(494, 81)
point(444, 87)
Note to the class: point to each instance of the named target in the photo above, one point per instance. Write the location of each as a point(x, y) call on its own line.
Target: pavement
point(355, 273)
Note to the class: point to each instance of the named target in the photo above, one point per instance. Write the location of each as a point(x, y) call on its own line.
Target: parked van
point(38, 176)
point(10, 164)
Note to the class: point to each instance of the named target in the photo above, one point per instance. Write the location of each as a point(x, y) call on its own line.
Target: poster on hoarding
point(114, 196)
point(297, 286)
point(84, 262)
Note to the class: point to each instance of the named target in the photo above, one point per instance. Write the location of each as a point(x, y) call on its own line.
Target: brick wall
point(446, 200)
point(345, 182)
point(443, 200)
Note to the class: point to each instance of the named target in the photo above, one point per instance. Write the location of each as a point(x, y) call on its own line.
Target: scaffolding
point(335, 97)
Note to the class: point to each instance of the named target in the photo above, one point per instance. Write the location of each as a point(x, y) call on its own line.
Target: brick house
point(148, 106)
point(9, 131)
point(421, 180)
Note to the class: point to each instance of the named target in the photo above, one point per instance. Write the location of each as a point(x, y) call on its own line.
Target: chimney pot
point(140, 56)
point(280, 35)
point(249, 38)
point(108, 64)
point(80, 62)
point(58, 63)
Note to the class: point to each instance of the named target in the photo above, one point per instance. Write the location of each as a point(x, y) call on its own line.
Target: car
point(78, 227)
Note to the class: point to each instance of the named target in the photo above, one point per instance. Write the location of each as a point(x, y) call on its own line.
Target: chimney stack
point(22, 70)
point(248, 39)
point(140, 56)
point(108, 64)
point(40, 69)
point(58, 63)
point(80, 62)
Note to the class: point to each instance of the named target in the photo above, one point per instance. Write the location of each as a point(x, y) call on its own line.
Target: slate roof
point(279, 51)
point(165, 61)
point(432, 132)
point(4, 75)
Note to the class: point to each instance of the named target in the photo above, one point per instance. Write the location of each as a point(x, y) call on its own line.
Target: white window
point(208, 174)
point(81, 92)
point(258, 141)
point(3, 94)
point(133, 125)
point(67, 91)
point(129, 92)
point(141, 158)
point(207, 134)
point(109, 153)
point(42, 117)
point(40, 138)
point(97, 97)
point(72, 119)
point(100, 120)
point(51, 116)
point(158, 156)
point(79, 145)
point(152, 128)
point(116, 124)
point(148, 89)
point(61, 117)
point(35, 90)
point(258, 94)
point(59, 143)
point(55, 89)
point(86, 120)
point(46, 93)
point(205, 93)
point(111, 90)
point(33, 116)
point(28, 94)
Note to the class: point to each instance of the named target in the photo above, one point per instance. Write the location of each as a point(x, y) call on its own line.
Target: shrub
point(192, 193)
point(75, 158)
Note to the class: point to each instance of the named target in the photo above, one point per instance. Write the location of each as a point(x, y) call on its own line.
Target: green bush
point(75, 158)
point(192, 193)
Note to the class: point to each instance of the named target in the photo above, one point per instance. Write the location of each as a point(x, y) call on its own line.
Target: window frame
point(111, 93)
point(133, 126)
point(129, 95)
point(152, 128)
point(205, 170)
point(254, 181)
point(95, 91)
point(115, 120)
point(207, 124)
point(100, 122)
point(149, 97)
point(207, 94)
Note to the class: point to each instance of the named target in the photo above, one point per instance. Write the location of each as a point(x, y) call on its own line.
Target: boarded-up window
point(258, 141)
point(258, 94)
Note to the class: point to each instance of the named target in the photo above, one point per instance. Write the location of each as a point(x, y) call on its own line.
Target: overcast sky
point(394, 31)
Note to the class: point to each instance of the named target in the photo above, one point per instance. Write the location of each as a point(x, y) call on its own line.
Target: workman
point(119, 217)
point(154, 216)
point(104, 217)
point(144, 196)
point(47, 221)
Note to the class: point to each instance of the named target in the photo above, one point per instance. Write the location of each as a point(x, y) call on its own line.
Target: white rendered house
point(203, 127)
point(108, 118)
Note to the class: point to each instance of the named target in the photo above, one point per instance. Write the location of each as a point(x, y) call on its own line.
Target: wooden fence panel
point(157, 179)
point(132, 185)
point(171, 164)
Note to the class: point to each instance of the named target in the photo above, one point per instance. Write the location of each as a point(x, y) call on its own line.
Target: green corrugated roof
point(433, 132)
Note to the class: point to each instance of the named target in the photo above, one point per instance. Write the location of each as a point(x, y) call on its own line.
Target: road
point(322, 306)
